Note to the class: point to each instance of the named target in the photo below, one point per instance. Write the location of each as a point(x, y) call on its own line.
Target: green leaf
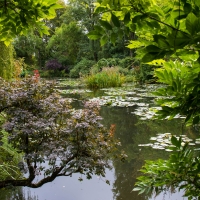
point(105, 24)
point(7, 42)
point(99, 29)
point(153, 24)
point(197, 3)
point(132, 27)
point(191, 23)
point(113, 38)
point(99, 9)
point(115, 20)
point(94, 35)
point(152, 48)
point(103, 40)
point(196, 120)
point(135, 44)
point(188, 55)
point(161, 41)
point(136, 18)
point(175, 141)
point(127, 18)
point(188, 117)
point(187, 8)
point(149, 57)
point(178, 39)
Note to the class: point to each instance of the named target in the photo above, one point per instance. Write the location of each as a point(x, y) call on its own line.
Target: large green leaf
point(99, 29)
point(94, 35)
point(115, 20)
point(127, 18)
point(175, 141)
point(192, 24)
point(149, 57)
point(161, 41)
point(178, 39)
point(103, 40)
point(187, 8)
point(153, 48)
point(113, 38)
point(188, 55)
point(105, 24)
point(197, 3)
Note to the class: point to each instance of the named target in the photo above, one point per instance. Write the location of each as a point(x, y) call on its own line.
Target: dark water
point(131, 132)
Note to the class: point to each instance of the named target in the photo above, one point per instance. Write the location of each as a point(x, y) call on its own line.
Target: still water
point(131, 131)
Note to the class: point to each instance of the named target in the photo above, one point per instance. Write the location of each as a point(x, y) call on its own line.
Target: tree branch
point(28, 182)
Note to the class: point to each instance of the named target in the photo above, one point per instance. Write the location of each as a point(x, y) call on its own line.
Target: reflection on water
point(131, 132)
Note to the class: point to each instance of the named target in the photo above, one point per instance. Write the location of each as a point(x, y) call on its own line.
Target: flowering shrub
point(45, 128)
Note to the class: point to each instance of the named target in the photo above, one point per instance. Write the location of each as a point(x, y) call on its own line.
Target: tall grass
point(108, 77)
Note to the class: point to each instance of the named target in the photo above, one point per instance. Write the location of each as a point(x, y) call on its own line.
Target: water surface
point(131, 131)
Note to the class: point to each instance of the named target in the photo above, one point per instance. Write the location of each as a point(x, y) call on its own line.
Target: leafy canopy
point(165, 31)
point(16, 17)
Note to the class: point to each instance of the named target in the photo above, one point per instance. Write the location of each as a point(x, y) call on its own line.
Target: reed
point(108, 77)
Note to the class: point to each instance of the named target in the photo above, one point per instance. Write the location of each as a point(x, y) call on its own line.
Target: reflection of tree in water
point(16, 193)
point(131, 133)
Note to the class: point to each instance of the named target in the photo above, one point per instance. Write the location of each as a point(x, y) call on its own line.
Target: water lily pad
point(168, 150)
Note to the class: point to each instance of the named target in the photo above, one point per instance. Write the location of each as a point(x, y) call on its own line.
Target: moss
point(6, 61)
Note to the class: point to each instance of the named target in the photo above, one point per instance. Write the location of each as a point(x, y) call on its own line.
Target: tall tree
point(83, 13)
point(33, 46)
point(64, 45)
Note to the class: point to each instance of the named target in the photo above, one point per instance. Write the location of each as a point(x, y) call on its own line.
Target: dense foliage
point(81, 68)
point(108, 77)
point(53, 65)
point(6, 61)
point(17, 16)
point(166, 36)
point(181, 171)
point(45, 129)
point(67, 40)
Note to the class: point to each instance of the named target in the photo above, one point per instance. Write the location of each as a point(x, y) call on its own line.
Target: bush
point(52, 73)
point(128, 62)
point(143, 73)
point(53, 65)
point(81, 68)
point(108, 77)
point(54, 69)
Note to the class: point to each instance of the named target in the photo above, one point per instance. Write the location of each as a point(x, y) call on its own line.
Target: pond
point(128, 109)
